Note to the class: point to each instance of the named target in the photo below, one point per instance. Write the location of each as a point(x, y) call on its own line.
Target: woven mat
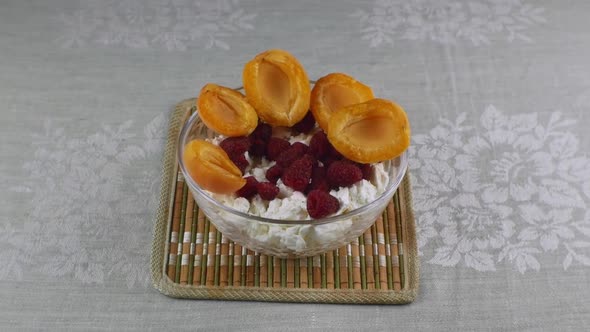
point(191, 259)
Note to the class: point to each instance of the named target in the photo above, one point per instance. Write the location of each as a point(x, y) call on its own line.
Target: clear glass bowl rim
point(393, 185)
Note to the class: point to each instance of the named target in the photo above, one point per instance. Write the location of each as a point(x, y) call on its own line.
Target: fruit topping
point(259, 138)
point(226, 111)
point(355, 131)
point(321, 204)
point(211, 167)
point(240, 161)
point(277, 86)
point(267, 190)
point(275, 147)
point(273, 174)
point(370, 132)
point(298, 174)
point(318, 179)
point(287, 157)
point(235, 145)
point(343, 174)
point(367, 170)
point(319, 145)
point(306, 124)
point(300, 148)
point(249, 189)
point(333, 92)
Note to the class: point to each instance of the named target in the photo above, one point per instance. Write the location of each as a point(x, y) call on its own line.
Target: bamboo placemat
point(191, 259)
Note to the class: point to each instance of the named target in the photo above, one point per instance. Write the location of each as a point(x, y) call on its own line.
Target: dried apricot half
point(370, 132)
point(333, 92)
point(211, 167)
point(277, 86)
point(226, 111)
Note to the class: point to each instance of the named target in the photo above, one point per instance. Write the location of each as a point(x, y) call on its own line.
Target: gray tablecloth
point(497, 92)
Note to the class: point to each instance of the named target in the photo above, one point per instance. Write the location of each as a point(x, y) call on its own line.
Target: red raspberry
point(367, 170)
point(301, 148)
point(240, 161)
point(319, 145)
point(306, 124)
point(331, 156)
point(328, 161)
point(287, 157)
point(343, 174)
point(234, 146)
point(258, 139)
point(318, 172)
point(249, 189)
point(267, 190)
point(333, 153)
point(263, 132)
point(298, 174)
point(318, 179)
point(258, 148)
point(273, 174)
point(275, 147)
point(321, 204)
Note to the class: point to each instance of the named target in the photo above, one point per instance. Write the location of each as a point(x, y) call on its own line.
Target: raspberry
point(274, 173)
point(333, 153)
point(258, 148)
point(287, 157)
point(318, 172)
point(306, 124)
point(263, 132)
point(249, 189)
point(298, 174)
point(267, 190)
point(328, 161)
point(343, 174)
point(321, 204)
point(301, 148)
point(275, 147)
point(367, 170)
point(234, 146)
point(318, 179)
point(240, 161)
point(258, 139)
point(319, 145)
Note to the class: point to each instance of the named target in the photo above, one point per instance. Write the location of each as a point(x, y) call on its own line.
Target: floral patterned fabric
point(527, 202)
point(497, 92)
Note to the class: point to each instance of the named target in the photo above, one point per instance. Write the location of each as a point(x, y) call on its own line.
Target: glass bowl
point(286, 238)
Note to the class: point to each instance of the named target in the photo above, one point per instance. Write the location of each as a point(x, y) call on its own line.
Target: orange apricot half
point(211, 167)
point(226, 111)
point(277, 86)
point(333, 92)
point(370, 132)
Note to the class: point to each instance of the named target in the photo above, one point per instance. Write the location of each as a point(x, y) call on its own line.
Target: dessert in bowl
point(272, 178)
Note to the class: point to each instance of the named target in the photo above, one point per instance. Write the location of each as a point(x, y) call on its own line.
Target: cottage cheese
point(292, 205)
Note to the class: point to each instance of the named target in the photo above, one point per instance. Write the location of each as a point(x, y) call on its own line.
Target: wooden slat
point(186, 239)
point(369, 263)
point(356, 265)
point(394, 248)
point(380, 252)
point(237, 273)
point(173, 238)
